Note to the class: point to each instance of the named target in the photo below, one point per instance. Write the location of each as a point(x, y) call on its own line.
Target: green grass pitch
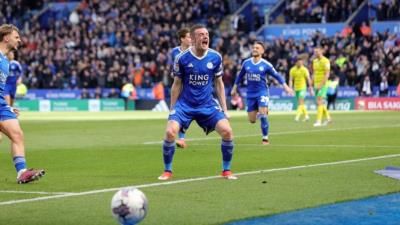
point(88, 156)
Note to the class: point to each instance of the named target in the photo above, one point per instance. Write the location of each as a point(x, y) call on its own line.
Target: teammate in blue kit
point(12, 79)
point(185, 40)
point(256, 70)
point(9, 125)
point(195, 71)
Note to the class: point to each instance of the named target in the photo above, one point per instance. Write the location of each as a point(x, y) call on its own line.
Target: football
point(129, 206)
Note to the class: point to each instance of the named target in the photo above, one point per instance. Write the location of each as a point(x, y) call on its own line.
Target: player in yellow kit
point(321, 69)
point(299, 78)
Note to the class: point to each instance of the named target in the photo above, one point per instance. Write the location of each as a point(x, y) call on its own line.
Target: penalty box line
point(67, 195)
point(317, 130)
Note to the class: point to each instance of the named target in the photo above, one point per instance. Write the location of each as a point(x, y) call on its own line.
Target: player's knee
point(263, 114)
point(227, 134)
point(170, 133)
point(252, 120)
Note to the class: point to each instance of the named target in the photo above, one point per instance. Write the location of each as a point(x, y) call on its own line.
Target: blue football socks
point(264, 125)
point(19, 163)
point(227, 152)
point(168, 154)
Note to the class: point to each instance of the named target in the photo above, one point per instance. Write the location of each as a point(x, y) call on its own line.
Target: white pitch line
point(312, 146)
point(317, 130)
point(35, 192)
point(12, 202)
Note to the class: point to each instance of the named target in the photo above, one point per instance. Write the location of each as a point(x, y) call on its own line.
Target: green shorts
point(321, 92)
point(301, 94)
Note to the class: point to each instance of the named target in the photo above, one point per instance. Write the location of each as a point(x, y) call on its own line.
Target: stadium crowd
point(104, 44)
point(387, 10)
point(353, 57)
point(319, 11)
point(108, 43)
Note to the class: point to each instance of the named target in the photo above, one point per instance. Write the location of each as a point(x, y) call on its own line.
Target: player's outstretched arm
point(288, 89)
point(237, 80)
point(175, 91)
point(281, 80)
point(220, 91)
point(234, 90)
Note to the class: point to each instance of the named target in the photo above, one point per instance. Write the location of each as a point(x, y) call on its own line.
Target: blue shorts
point(10, 90)
point(206, 117)
point(6, 113)
point(254, 103)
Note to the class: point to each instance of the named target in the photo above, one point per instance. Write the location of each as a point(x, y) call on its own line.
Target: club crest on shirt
point(261, 68)
point(210, 65)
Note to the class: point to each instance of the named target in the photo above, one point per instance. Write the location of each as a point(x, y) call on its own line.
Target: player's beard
point(256, 54)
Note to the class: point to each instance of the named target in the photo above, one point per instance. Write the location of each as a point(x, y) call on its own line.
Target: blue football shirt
point(257, 77)
point(15, 73)
point(198, 75)
point(175, 52)
point(4, 72)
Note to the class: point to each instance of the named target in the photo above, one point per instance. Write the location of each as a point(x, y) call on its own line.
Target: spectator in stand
point(387, 10)
point(366, 89)
point(158, 91)
point(332, 83)
point(84, 93)
point(113, 93)
point(365, 29)
point(74, 80)
point(314, 11)
point(258, 20)
point(398, 90)
point(98, 93)
point(347, 31)
point(383, 87)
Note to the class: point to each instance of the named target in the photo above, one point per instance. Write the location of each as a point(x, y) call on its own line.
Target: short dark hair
point(260, 43)
point(195, 27)
point(182, 33)
point(7, 29)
